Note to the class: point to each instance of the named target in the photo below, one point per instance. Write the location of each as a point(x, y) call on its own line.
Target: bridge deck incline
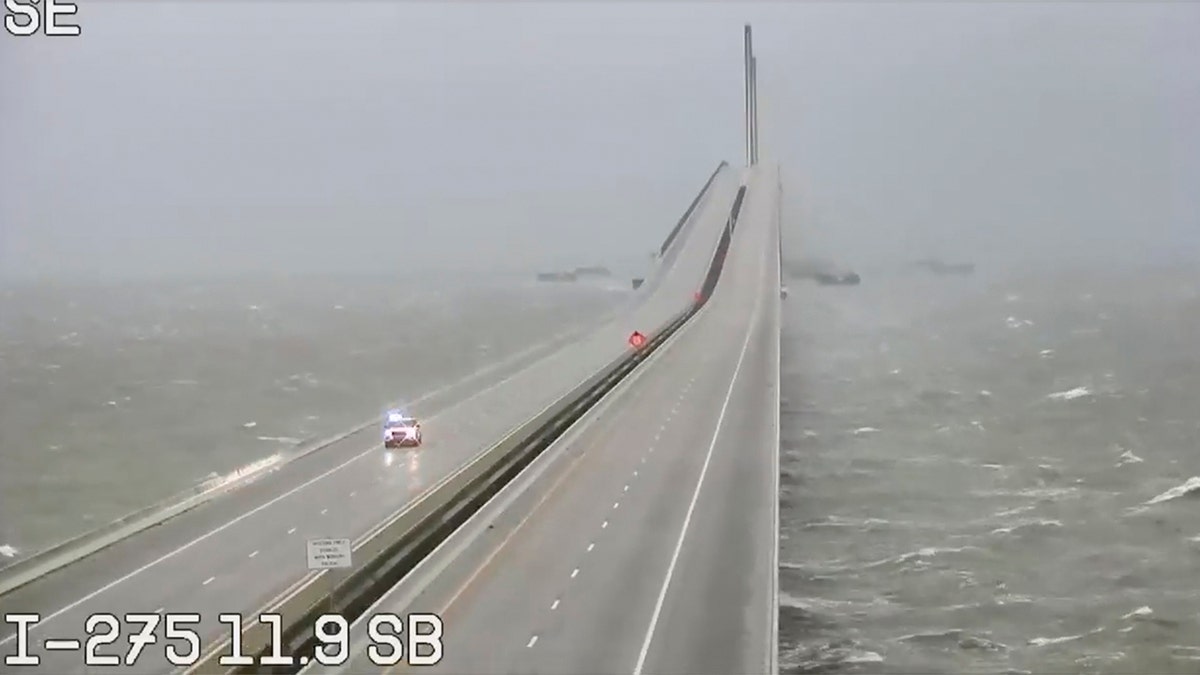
point(237, 552)
point(645, 538)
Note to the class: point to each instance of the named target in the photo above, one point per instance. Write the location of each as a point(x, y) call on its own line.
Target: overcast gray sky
point(243, 136)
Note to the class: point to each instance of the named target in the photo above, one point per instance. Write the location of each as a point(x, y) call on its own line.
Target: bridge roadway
point(237, 552)
point(645, 540)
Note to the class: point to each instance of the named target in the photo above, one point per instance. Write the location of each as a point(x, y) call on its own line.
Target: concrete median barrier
point(404, 537)
point(27, 569)
point(389, 551)
point(30, 568)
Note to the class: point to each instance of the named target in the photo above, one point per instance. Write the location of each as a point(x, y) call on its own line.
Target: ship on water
point(556, 277)
point(942, 268)
point(593, 271)
point(583, 272)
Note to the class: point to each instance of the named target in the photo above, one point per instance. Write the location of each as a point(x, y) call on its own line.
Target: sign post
point(330, 554)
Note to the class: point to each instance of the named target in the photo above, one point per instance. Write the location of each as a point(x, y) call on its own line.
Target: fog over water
point(217, 209)
point(233, 136)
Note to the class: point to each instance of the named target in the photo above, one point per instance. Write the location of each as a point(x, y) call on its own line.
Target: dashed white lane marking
point(160, 610)
point(292, 531)
point(324, 511)
point(592, 545)
point(687, 518)
point(379, 479)
point(253, 553)
point(208, 581)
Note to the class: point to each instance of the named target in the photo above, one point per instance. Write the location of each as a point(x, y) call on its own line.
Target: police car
point(400, 430)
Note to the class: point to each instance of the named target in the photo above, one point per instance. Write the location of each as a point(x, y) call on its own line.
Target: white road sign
point(327, 553)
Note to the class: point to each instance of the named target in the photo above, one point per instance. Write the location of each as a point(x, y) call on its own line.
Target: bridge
point(584, 506)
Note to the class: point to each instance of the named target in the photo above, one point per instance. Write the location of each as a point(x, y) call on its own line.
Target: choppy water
point(985, 476)
point(115, 397)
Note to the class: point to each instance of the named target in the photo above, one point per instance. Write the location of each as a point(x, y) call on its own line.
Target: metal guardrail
point(408, 535)
point(399, 544)
point(687, 215)
point(57, 556)
point(67, 552)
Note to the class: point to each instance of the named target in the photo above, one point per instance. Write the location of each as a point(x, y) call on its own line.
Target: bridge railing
point(395, 547)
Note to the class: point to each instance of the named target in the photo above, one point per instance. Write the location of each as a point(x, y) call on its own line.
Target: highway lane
point(672, 253)
point(397, 476)
point(647, 542)
point(728, 559)
point(240, 550)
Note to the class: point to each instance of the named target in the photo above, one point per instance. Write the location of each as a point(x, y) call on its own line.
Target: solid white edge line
point(773, 633)
point(48, 618)
point(242, 481)
point(447, 552)
point(598, 409)
point(221, 528)
point(687, 520)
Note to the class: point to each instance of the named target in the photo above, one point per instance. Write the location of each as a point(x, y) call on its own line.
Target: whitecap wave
point(1028, 525)
point(1046, 641)
point(828, 657)
point(280, 439)
point(1128, 457)
point(1189, 487)
point(863, 656)
point(242, 472)
point(1077, 392)
point(1015, 510)
point(1142, 611)
point(922, 554)
point(953, 636)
